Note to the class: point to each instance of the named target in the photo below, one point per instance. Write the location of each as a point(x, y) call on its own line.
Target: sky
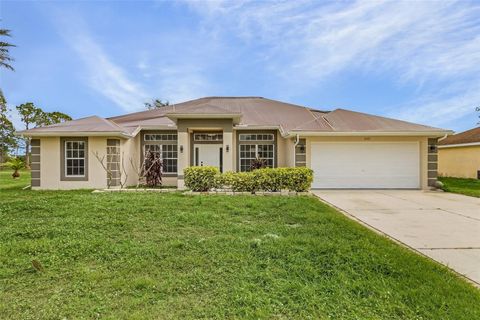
point(416, 61)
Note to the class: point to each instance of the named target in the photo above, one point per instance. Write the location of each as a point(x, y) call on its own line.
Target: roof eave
point(459, 145)
point(432, 134)
point(74, 134)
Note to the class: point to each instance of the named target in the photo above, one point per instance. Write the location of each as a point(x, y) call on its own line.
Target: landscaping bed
point(148, 255)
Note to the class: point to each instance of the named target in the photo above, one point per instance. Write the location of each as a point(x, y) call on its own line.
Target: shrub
point(16, 164)
point(298, 179)
point(243, 182)
point(201, 179)
point(153, 169)
point(267, 179)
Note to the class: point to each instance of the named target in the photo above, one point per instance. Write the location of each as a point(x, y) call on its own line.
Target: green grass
point(145, 256)
point(469, 187)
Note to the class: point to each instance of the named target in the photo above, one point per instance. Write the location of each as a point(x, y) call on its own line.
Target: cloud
point(433, 46)
point(103, 75)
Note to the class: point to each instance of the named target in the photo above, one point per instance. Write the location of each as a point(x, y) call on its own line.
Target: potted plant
point(16, 164)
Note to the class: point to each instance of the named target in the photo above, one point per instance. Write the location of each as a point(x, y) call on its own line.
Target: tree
point(5, 58)
point(156, 104)
point(30, 115)
point(33, 116)
point(8, 140)
point(16, 164)
point(49, 118)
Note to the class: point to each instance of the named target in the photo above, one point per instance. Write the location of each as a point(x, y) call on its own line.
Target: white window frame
point(160, 137)
point(217, 137)
point(161, 151)
point(84, 158)
point(256, 137)
point(256, 153)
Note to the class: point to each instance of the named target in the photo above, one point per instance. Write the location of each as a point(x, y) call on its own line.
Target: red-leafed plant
point(153, 167)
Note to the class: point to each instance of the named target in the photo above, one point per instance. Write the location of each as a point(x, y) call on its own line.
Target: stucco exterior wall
point(461, 162)
point(130, 152)
point(50, 167)
point(423, 144)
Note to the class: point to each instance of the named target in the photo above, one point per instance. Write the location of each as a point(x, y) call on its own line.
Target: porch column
point(183, 156)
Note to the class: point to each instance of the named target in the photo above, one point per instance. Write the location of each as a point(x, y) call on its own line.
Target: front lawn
point(469, 187)
point(150, 255)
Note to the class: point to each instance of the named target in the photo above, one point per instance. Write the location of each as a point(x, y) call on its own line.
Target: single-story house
point(459, 155)
point(346, 149)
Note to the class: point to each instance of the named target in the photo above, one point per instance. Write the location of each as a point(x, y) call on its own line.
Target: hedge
point(201, 178)
point(267, 179)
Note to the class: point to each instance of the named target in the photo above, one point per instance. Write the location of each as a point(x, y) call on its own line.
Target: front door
point(208, 155)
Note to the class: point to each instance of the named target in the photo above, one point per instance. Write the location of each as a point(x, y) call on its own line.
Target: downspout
point(444, 137)
point(297, 140)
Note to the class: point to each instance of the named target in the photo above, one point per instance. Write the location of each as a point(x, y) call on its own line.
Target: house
point(346, 149)
point(459, 155)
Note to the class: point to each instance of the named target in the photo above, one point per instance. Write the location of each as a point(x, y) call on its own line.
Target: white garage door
point(357, 165)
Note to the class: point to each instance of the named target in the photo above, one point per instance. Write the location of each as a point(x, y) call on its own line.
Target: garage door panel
point(365, 165)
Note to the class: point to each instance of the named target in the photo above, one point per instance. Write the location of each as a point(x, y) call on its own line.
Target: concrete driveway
point(443, 226)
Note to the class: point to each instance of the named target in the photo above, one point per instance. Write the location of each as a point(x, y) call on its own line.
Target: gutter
point(368, 133)
point(74, 134)
point(459, 145)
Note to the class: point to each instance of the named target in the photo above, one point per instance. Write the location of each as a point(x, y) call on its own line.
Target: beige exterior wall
point(50, 165)
point(130, 152)
point(461, 162)
point(50, 168)
point(423, 144)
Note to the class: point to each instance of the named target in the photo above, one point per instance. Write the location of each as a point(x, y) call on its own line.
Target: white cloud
point(103, 75)
point(434, 46)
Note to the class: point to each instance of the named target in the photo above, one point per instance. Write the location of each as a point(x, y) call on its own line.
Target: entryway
point(208, 155)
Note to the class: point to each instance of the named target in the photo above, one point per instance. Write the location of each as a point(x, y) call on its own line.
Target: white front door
point(207, 155)
point(357, 165)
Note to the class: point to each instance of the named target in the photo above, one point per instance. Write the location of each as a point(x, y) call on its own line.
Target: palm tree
point(16, 164)
point(5, 58)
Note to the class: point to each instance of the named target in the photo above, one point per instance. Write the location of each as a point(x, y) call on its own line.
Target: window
point(168, 154)
point(301, 154)
point(75, 158)
point(249, 152)
point(256, 137)
point(164, 145)
point(208, 137)
point(161, 137)
point(113, 161)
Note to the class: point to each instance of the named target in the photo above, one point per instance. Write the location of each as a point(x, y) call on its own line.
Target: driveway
point(443, 226)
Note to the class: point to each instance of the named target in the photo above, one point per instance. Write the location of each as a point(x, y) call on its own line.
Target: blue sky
point(418, 61)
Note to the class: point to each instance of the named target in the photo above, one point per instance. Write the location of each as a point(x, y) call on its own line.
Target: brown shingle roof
point(252, 112)
point(469, 136)
point(88, 124)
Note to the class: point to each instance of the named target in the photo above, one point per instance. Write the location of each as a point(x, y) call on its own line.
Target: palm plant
point(16, 164)
point(5, 58)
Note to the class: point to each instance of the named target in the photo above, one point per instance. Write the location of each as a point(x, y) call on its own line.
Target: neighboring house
point(459, 155)
point(345, 149)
